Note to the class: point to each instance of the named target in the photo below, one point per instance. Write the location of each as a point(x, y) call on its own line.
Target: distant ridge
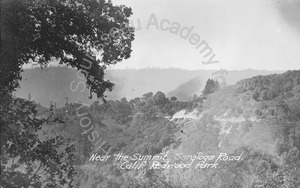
point(52, 84)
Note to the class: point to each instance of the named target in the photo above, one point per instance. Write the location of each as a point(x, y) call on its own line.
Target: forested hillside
point(73, 121)
point(141, 125)
point(258, 118)
point(196, 85)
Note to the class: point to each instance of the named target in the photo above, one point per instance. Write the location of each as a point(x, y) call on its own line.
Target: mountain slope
point(194, 86)
point(255, 123)
point(258, 118)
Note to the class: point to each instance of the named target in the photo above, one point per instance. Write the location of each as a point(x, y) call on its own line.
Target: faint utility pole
point(55, 108)
point(67, 100)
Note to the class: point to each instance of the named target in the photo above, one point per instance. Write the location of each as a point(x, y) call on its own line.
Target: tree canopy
point(211, 86)
point(87, 35)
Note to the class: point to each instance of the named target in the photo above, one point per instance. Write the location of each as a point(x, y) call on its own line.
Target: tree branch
point(29, 182)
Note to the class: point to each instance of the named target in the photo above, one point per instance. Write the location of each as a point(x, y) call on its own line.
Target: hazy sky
point(257, 34)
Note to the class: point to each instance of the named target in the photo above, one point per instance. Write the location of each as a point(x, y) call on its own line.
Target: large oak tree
point(84, 34)
point(72, 32)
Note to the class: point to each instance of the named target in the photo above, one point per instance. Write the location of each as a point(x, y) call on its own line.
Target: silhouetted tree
point(73, 32)
point(173, 99)
point(29, 96)
point(160, 98)
point(210, 87)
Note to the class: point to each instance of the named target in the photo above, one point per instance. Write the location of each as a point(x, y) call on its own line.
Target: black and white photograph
point(150, 93)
